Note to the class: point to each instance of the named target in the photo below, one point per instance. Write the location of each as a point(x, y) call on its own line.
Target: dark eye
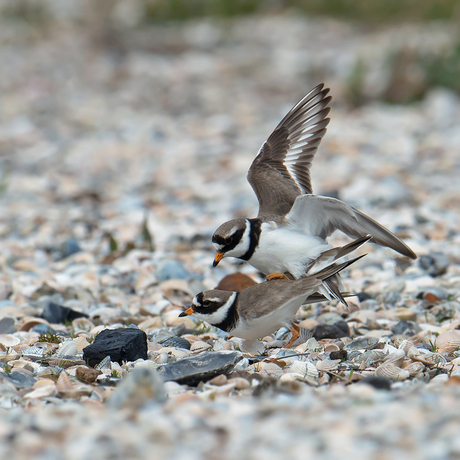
point(228, 240)
point(206, 303)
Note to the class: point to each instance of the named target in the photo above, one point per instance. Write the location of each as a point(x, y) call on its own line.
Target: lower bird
point(263, 308)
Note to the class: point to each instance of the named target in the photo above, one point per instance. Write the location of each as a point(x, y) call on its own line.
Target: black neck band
point(254, 235)
point(230, 321)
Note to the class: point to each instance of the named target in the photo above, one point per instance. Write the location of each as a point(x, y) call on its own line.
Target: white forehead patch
point(215, 299)
point(218, 246)
point(195, 302)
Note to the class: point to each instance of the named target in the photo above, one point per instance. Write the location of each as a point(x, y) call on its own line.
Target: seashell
point(362, 343)
point(312, 372)
point(199, 346)
point(67, 348)
point(331, 347)
point(448, 341)
point(389, 370)
point(104, 364)
point(415, 368)
point(9, 357)
point(405, 345)
point(64, 383)
point(30, 322)
point(396, 357)
point(9, 340)
point(42, 383)
point(430, 359)
point(328, 365)
point(33, 353)
point(298, 367)
point(370, 356)
point(42, 392)
point(80, 343)
point(271, 369)
point(177, 342)
point(47, 371)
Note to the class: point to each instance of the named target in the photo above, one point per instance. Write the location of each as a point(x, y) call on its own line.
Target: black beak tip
point(181, 315)
point(215, 264)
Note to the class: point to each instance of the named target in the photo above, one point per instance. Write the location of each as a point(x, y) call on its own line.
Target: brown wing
point(281, 170)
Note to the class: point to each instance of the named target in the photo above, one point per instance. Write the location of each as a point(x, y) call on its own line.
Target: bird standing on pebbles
point(261, 309)
point(289, 234)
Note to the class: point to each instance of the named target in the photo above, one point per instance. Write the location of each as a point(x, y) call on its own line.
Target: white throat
point(243, 245)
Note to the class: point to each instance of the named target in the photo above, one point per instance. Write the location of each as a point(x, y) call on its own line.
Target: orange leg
point(277, 276)
point(295, 335)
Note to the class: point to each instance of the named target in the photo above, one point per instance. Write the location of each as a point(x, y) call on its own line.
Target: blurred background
point(132, 123)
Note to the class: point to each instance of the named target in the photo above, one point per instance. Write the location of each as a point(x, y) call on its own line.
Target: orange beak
point(187, 312)
point(219, 256)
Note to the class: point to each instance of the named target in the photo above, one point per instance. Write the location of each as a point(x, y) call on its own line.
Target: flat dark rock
point(19, 380)
point(120, 344)
point(331, 331)
point(200, 368)
point(57, 314)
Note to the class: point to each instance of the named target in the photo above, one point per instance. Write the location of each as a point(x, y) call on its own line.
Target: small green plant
point(115, 374)
point(50, 338)
point(433, 346)
point(7, 369)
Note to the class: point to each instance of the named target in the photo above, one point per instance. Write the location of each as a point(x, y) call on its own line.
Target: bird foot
point(277, 276)
point(295, 335)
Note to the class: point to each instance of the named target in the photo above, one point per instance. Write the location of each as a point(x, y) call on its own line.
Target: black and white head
point(212, 306)
point(232, 239)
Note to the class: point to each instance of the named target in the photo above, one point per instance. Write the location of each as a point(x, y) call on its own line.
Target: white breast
point(283, 250)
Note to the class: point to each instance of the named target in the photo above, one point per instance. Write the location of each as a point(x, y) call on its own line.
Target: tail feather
point(331, 270)
point(331, 255)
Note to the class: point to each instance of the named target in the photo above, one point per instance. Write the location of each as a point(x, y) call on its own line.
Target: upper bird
point(289, 234)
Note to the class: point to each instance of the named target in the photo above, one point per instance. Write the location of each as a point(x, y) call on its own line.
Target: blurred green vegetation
point(411, 75)
point(369, 11)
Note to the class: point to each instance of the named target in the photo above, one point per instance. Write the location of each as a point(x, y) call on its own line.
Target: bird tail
point(331, 279)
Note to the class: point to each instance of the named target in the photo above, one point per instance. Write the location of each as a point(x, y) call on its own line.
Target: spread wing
point(321, 216)
point(281, 170)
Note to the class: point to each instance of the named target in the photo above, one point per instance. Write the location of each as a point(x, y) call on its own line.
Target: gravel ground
point(116, 141)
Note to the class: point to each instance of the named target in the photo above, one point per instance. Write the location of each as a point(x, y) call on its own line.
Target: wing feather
point(321, 216)
point(281, 170)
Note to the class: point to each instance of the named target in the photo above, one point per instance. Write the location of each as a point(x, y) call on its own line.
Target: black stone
point(120, 344)
point(340, 354)
point(56, 314)
point(362, 296)
point(405, 328)
point(200, 368)
point(177, 342)
point(331, 331)
point(381, 383)
point(19, 380)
